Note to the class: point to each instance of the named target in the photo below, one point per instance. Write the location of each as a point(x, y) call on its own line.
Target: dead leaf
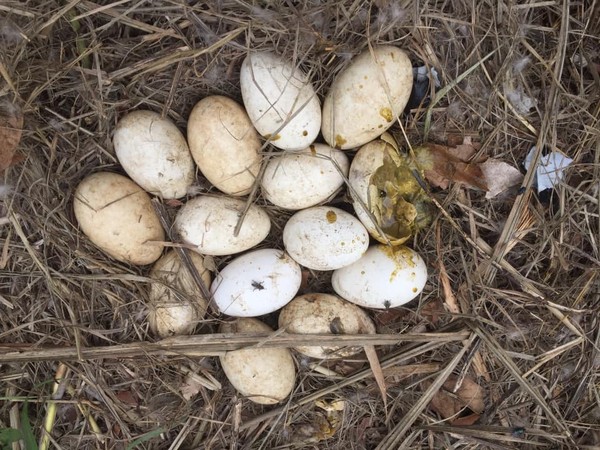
point(432, 311)
point(377, 372)
point(444, 164)
point(127, 397)
point(500, 176)
point(449, 297)
point(389, 316)
point(448, 403)
point(190, 387)
point(11, 129)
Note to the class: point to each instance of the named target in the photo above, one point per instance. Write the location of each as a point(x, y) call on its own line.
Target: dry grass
point(524, 275)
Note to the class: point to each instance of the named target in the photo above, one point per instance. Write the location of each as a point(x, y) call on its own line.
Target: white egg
point(325, 238)
point(154, 153)
point(325, 314)
point(367, 97)
point(224, 144)
point(299, 180)
point(366, 161)
point(263, 375)
point(384, 277)
point(209, 223)
point(256, 283)
point(280, 101)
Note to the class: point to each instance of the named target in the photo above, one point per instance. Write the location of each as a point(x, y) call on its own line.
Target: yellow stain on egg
point(402, 256)
point(331, 216)
point(272, 138)
point(313, 150)
point(339, 141)
point(387, 114)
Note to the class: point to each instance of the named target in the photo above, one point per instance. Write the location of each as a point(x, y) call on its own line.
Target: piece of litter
point(550, 171)
point(421, 74)
point(420, 89)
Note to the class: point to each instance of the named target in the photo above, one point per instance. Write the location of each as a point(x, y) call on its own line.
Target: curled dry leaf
point(500, 176)
point(11, 129)
point(451, 404)
point(444, 164)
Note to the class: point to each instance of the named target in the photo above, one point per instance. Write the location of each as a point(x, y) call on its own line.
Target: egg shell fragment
point(256, 283)
point(262, 375)
point(176, 302)
point(224, 144)
point(280, 100)
point(325, 314)
point(384, 277)
point(366, 161)
point(325, 238)
point(367, 97)
point(154, 153)
point(117, 216)
point(299, 180)
point(208, 223)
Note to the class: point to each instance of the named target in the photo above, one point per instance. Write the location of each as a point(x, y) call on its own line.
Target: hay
point(523, 272)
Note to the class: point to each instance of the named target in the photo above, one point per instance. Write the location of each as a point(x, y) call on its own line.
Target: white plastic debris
point(421, 74)
point(550, 171)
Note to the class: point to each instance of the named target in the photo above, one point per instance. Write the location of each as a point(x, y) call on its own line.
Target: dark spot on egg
point(331, 216)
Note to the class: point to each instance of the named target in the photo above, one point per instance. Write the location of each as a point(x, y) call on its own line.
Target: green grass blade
point(145, 437)
point(26, 430)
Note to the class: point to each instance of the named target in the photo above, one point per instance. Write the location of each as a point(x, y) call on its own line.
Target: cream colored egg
point(154, 153)
point(176, 302)
point(325, 238)
point(280, 100)
point(299, 180)
point(325, 314)
point(117, 215)
point(256, 283)
point(384, 277)
point(367, 97)
point(208, 223)
point(224, 144)
point(263, 375)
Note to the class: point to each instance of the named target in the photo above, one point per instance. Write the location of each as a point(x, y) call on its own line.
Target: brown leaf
point(500, 176)
point(11, 128)
point(432, 311)
point(444, 164)
point(190, 387)
point(450, 404)
point(127, 397)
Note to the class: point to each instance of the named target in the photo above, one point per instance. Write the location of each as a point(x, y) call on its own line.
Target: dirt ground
point(500, 351)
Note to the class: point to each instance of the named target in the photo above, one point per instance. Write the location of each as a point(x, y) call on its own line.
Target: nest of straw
point(513, 293)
